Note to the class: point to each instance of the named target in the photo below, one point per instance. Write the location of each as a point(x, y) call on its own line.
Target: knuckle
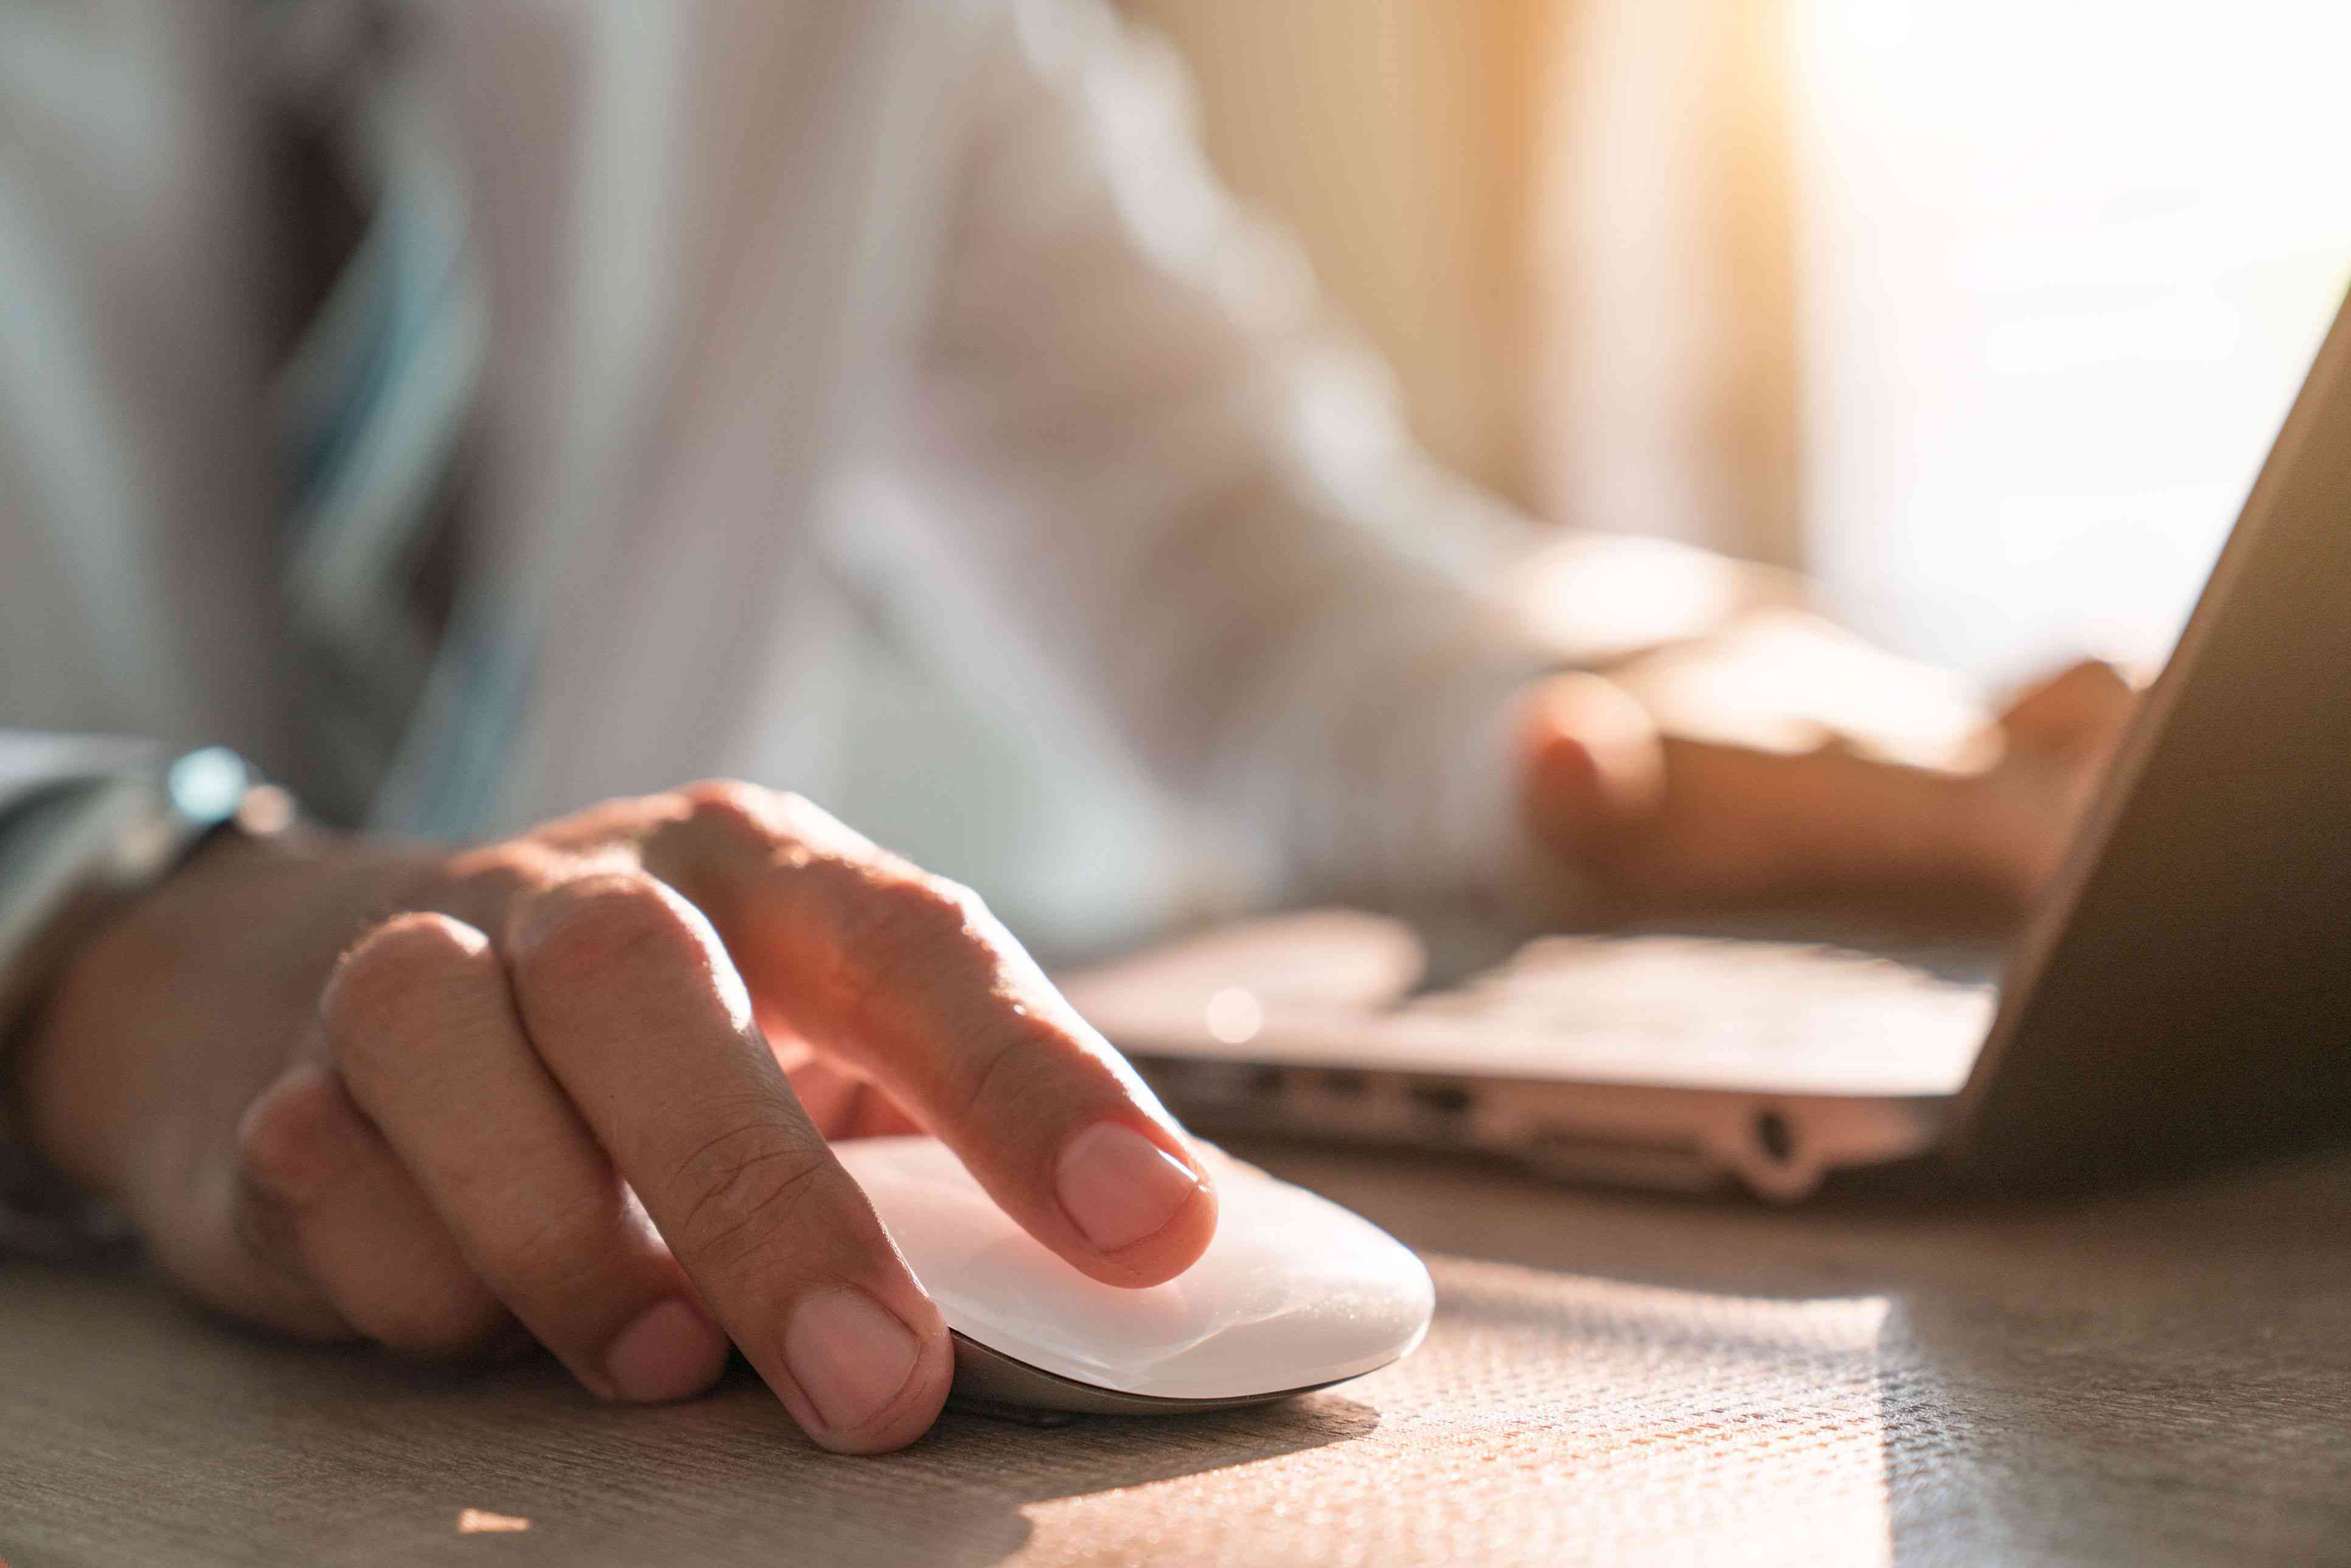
point(970, 910)
point(802, 818)
point(730, 802)
point(293, 1141)
point(744, 1191)
point(913, 913)
point(800, 823)
point(894, 922)
point(612, 918)
point(749, 822)
point(385, 969)
point(904, 929)
point(727, 817)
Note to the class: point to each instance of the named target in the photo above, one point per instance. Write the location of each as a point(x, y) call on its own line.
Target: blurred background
point(1983, 313)
point(1979, 313)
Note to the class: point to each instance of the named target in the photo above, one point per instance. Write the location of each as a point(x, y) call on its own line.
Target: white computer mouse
point(1294, 1293)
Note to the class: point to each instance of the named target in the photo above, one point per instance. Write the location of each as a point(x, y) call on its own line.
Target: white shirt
point(882, 401)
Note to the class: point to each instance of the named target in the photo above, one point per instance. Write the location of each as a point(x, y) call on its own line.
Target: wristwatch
point(70, 855)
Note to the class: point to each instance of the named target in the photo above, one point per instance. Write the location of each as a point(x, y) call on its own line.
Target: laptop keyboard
point(1689, 1011)
point(1716, 1009)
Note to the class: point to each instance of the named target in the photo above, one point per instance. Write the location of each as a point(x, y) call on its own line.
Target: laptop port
point(1776, 1137)
point(1442, 1099)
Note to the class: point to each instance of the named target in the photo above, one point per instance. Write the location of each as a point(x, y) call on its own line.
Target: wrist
point(81, 1071)
point(82, 1067)
point(166, 1020)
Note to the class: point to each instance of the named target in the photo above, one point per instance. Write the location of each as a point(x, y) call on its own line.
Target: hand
point(1781, 758)
point(445, 1101)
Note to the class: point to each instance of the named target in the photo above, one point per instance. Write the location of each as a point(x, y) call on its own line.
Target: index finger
point(631, 1001)
point(911, 979)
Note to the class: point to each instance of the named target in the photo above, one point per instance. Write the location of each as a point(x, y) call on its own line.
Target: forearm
point(1186, 499)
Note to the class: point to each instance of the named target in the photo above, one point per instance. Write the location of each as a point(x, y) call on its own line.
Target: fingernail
point(850, 1355)
point(1120, 1187)
point(670, 1353)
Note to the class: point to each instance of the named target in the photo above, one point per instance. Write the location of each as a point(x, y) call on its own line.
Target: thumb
point(1592, 763)
point(2080, 709)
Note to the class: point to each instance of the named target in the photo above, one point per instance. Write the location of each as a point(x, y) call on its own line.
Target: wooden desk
point(2155, 1376)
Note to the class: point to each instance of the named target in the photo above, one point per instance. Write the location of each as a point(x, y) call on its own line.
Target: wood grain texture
point(2159, 1375)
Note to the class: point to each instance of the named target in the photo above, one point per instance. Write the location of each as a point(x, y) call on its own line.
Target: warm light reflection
point(1782, 680)
point(482, 1521)
point(1555, 1418)
point(1235, 1016)
point(2063, 268)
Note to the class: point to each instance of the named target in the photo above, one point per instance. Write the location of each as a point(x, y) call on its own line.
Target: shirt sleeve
point(33, 763)
point(136, 495)
point(1201, 500)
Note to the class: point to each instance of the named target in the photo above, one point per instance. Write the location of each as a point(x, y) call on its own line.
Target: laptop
point(2183, 994)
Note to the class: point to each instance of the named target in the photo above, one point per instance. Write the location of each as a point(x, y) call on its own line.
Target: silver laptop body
point(2184, 993)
